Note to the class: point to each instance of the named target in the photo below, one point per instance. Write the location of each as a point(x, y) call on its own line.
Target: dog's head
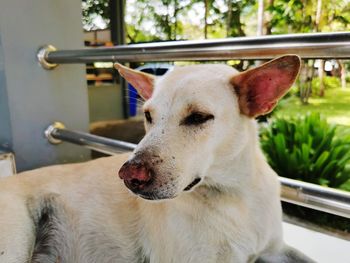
point(195, 116)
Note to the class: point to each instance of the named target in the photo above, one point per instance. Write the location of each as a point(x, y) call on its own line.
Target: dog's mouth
point(157, 196)
point(154, 196)
point(194, 183)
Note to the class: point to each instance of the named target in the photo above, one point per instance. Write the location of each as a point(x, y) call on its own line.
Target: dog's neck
point(233, 166)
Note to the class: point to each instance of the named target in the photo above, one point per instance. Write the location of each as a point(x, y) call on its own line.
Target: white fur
point(233, 215)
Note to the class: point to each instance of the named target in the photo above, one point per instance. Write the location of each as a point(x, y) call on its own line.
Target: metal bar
point(316, 197)
point(56, 133)
point(315, 45)
point(297, 192)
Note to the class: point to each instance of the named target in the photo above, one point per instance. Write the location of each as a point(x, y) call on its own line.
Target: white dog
point(211, 196)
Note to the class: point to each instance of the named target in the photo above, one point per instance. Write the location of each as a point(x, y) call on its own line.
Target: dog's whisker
point(132, 92)
point(136, 102)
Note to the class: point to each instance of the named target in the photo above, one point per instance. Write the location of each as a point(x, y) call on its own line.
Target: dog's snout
point(136, 175)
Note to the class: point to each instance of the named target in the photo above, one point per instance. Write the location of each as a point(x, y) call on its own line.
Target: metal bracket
point(42, 57)
point(51, 129)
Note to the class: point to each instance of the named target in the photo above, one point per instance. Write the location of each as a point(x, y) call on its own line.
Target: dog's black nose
point(136, 175)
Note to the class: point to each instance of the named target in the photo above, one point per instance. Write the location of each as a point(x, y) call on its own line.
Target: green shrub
point(347, 78)
point(307, 148)
point(332, 82)
point(329, 83)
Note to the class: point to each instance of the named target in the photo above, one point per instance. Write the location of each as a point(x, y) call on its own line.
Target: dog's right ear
point(141, 81)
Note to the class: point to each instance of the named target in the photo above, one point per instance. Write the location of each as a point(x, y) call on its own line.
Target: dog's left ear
point(260, 88)
point(141, 81)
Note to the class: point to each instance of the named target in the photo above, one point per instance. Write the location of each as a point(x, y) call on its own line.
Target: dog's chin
point(150, 194)
point(155, 197)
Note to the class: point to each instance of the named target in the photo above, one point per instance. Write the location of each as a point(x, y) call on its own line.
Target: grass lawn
point(335, 106)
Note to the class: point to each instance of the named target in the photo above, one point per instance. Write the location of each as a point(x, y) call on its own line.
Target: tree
point(233, 17)
point(260, 19)
point(206, 11)
point(158, 20)
point(92, 9)
point(304, 16)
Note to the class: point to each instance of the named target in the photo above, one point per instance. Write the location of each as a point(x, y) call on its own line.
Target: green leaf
point(308, 148)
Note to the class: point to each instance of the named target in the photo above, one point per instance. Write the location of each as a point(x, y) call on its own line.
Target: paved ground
point(322, 248)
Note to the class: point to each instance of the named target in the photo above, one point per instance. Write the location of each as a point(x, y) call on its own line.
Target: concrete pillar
point(30, 97)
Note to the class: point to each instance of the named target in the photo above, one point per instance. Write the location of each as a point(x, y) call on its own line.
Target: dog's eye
point(196, 118)
point(148, 116)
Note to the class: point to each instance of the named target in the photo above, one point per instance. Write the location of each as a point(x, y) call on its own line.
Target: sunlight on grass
point(340, 120)
point(317, 101)
point(335, 106)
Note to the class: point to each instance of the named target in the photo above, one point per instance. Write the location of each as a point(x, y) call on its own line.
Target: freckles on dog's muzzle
point(136, 176)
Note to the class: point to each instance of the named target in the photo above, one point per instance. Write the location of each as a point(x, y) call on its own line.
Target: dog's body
point(201, 151)
point(95, 219)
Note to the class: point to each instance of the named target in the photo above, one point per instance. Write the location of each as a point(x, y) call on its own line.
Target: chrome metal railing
point(315, 45)
point(56, 133)
point(304, 194)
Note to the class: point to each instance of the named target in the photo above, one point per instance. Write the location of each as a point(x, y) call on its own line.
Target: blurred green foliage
point(307, 148)
point(328, 82)
point(193, 19)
